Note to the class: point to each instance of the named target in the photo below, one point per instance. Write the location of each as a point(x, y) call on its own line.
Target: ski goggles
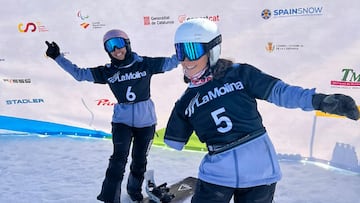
point(194, 50)
point(117, 42)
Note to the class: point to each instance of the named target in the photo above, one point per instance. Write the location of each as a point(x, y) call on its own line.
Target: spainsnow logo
point(292, 12)
point(350, 79)
point(31, 27)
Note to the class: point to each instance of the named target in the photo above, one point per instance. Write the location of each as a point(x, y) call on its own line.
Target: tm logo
point(349, 79)
point(350, 75)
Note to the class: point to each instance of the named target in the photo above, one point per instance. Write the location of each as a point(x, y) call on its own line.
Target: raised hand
point(53, 50)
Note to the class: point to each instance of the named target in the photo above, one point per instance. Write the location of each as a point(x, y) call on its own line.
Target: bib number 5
point(221, 119)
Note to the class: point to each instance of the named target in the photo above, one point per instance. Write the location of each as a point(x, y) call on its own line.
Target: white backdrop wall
point(306, 43)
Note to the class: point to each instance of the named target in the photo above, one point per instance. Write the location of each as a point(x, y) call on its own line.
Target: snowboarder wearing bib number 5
point(220, 106)
point(134, 117)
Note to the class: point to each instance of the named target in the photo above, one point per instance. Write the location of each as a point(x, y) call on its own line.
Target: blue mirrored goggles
point(194, 50)
point(191, 50)
point(117, 42)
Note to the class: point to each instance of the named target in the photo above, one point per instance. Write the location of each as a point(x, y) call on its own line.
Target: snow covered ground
point(37, 169)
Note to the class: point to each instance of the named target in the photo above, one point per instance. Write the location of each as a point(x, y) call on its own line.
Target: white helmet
point(200, 30)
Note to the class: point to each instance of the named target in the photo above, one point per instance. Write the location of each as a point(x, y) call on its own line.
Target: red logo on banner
point(32, 27)
point(146, 20)
point(344, 83)
point(105, 102)
point(84, 25)
point(29, 26)
point(182, 18)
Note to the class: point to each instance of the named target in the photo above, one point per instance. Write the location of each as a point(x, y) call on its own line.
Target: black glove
point(53, 50)
point(338, 104)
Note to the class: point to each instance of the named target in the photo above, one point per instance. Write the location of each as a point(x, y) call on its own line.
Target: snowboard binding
point(157, 194)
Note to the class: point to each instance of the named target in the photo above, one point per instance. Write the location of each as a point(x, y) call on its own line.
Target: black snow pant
point(122, 137)
point(211, 193)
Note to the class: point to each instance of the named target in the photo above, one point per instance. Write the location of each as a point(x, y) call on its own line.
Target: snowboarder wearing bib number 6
point(220, 106)
point(134, 119)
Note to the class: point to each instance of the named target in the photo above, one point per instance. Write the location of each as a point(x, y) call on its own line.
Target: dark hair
point(186, 80)
point(220, 68)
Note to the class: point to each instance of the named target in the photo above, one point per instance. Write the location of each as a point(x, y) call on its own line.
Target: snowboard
point(175, 193)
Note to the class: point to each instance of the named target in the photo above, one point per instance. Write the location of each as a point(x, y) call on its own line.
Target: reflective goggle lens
point(114, 42)
point(191, 50)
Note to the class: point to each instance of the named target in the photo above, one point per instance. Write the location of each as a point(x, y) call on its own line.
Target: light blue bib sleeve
point(170, 63)
point(175, 145)
point(288, 96)
point(80, 74)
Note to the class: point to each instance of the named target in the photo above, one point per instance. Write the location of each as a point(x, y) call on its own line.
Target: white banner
point(305, 43)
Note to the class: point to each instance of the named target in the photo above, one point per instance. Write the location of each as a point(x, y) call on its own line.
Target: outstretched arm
point(170, 63)
point(289, 96)
point(80, 74)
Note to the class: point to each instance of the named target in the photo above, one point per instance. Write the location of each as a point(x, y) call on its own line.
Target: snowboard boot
point(107, 196)
point(111, 187)
point(136, 197)
point(134, 188)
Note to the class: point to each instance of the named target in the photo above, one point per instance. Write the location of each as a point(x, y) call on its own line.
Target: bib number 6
point(130, 96)
point(221, 119)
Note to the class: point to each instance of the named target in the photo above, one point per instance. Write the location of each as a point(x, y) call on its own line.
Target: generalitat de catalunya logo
point(158, 20)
